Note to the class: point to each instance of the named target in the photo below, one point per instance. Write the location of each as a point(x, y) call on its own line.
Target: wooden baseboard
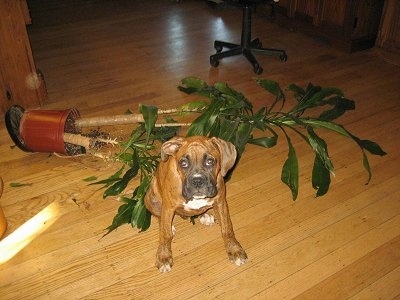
point(391, 56)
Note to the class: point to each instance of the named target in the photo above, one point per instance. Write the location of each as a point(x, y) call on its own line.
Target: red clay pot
point(43, 130)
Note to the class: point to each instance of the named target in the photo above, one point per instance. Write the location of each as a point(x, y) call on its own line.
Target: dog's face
point(199, 161)
point(198, 168)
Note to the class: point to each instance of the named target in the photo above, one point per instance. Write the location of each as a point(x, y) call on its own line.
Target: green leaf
point(136, 134)
point(310, 91)
point(143, 187)
point(266, 142)
point(233, 98)
point(134, 211)
point(121, 184)
point(290, 170)
point(259, 119)
point(372, 147)
point(315, 123)
point(18, 184)
point(297, 91)
point(320, 148)
point(125, 157)
point(115, 189)
point(110, 180)
point(194, 85)
point(317, 98)
point(341, 105)
point(274, 88)
point(123, 216)
point(320, 177)
point(194, 82)
point(241, 138)
point(226, 129)
point(91, 178)
point(150, 118)
point(367, 166)
point(141, 217)
point(271, 86)
point(203, 124)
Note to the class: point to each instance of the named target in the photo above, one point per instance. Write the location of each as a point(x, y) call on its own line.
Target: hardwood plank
point(339, 260)
point(367, 273)
point(386, 287)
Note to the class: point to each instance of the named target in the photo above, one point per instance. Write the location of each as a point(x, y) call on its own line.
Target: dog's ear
point(228, 154)
point(171, 147)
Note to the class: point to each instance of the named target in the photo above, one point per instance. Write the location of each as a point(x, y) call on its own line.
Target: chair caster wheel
point(283, 57)
point(256, 43)
point(214, 61)
point(258, 69)
point(218, 49)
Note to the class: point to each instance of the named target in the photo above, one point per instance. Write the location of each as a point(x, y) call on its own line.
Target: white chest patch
point(197, 204)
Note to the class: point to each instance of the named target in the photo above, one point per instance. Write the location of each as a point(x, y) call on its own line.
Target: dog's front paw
point(164, 260)
point(236, 254)
point(207, 219)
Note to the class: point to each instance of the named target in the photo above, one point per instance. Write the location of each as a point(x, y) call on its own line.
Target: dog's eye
point(184, 163)
point(209, 162)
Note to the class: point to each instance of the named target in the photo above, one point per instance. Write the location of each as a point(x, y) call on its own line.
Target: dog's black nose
point(198, 181)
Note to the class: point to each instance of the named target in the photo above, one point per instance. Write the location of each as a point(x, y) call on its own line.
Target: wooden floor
point(104, 57)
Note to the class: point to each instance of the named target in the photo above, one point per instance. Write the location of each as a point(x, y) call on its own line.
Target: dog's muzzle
point(198, 186)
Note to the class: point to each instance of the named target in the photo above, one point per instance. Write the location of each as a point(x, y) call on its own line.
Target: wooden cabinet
point(389, 33)
point(349, 24)
point(19, 81)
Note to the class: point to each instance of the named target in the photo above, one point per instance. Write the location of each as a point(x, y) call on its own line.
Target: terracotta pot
point(43, 130)
point(3, 221)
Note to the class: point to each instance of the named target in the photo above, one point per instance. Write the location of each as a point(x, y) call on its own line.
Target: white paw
point(207, 219)
point(240, 261)
point(165, 268)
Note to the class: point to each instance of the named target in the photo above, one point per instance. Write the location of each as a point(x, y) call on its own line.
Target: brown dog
point(189, 181)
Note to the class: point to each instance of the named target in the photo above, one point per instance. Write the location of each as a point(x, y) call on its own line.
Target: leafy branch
point(229, 115)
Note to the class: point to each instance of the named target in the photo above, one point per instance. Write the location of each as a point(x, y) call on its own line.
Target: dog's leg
point(164, 259)
point(236, 253)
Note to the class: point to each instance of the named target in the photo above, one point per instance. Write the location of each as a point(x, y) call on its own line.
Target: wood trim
point(25, 11)
point(389, 33)
point(20, 83)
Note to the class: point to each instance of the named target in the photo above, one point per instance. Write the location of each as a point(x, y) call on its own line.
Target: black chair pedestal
point(247, 47)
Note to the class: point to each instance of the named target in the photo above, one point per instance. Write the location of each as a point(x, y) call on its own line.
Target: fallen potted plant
point(227, 114)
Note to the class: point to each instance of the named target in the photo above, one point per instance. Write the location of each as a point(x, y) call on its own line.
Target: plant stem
point(111, 120)
point(78, 139)
point(129, 119)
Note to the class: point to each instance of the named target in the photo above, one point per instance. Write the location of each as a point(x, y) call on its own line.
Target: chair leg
point(214, 59)
point(247, 46)
point(219, 45)
point(246, 27)
point(252, 59)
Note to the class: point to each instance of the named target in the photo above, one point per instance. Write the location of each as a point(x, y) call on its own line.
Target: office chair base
point(247, 46)
point(248, 51)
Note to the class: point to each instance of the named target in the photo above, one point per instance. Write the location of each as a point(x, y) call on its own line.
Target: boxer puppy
point(189, 181)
